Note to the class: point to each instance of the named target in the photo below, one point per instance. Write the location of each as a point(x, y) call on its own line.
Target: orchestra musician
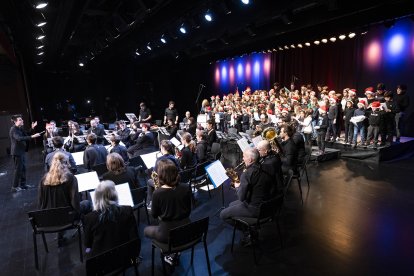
point(74, 145)
point(201, 147)
point(272, 164)
point(185, 119)
point(118, 172)
point(144, 142)
point(58, 147)
point(123, 133)
point(94, 154)
point(49, 134)
point(211, 134)
point(97, 130)
point(188, 157)
point(171, 128)
point(144, 113)
point(117, 148)
point(290, 158)
point(253, 189)
point(171, 113)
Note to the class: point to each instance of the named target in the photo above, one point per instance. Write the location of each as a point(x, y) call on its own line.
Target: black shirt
point(128, 176)
point(171, 114)
point(18, 140)
point(143, 114)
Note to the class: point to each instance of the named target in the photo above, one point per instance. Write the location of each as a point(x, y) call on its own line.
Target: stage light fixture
point(246, 2)
point(280, 48)
point(81, 64)
point(208, 16)
point(40, 53)
point(333, 39)
point(274, 50)
point(182, 29)
point(317, 42)
point(163, 40)
point(137, 53)
point(40, 47)
point(286, 47)
point(364, 33)
point(351, 35)
point(41, 5)
point(342, 37)
point(41, 23)
point(292, 46)
point(324, 40)
point(40, 37)
point(307, 44)
point(300, 45)
point(149, 47)
point(40, 62)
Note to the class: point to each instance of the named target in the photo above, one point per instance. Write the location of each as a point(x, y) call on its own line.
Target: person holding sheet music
point(57, 142)
point(120, 149)
point(110, 224)
point(144, 114)
point(167, 151)
point(94, 154)
point(144, 142)
point(118, 172)
point(253, 189)
point(59, 188)
point(171, 204)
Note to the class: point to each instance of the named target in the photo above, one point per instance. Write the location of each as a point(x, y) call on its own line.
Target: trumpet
point(233, 175)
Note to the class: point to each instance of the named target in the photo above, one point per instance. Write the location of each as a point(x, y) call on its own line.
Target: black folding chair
point(182, 238)
point(54, 221)
point(100, 169)
point(200, 177)
point(116, 260)
point(268, 211)
point(139, 196)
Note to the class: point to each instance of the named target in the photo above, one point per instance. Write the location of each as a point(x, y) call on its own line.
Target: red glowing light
point(373, 54)
point(266, 66)
point(217, 76)
point(248, 70)
point(231, 74)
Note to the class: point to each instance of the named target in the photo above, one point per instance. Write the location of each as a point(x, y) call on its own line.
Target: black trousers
point(19, 176)
point(373, 133)
point(321, 140)
point(349, 132)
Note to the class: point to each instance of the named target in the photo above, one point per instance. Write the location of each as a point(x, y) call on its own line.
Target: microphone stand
point(200, 89)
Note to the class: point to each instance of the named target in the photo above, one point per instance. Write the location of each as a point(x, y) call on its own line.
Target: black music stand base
point(223, 206)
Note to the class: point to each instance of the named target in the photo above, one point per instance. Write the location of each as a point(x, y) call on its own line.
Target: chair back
point(139, 196)
point(215, 148)
point(187, 175)
point(135, 161)
point(114, 260)
point(100, 169)
point(200, 171)
point(288, 180)
point(268, 208)
point(188, 234)
point(52, 217)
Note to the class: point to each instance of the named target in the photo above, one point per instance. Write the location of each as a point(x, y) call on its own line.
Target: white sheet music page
point(217, 173)
point(149, 159)
point(256, 140)
point(78, 157)
point(243, 144)
point(87, 181)
point(175, 141)
point(124, 195)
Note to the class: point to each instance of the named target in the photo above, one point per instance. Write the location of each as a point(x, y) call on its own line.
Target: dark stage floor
point(357, 219)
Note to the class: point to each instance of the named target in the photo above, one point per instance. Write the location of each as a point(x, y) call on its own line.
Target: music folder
point(78, 157)
point(243, 144)
point(216, 173)
point(87, 181)
point(149, 159)
point(124, 195)
point(131, 116)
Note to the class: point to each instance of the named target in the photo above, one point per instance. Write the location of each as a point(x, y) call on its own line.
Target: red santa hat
point(270, 112)
point(375, 105)
point(361, 103)
point(285, 110)
point(295, 99)
point(323, 108)
point(352, 91)
point(369, 90)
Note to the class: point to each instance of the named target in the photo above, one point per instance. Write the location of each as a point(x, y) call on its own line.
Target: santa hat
point(323, 108)
point(270, 112)
point(375, 105)
point(295, 99)
point(361, 103)
point(332, 100)
point(369, 90)
point(285, 110)
point(212, 97)
point(352, 91)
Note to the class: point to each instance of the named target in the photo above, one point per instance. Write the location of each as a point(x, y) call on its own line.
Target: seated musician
point(56, 131)
point(192, 126)
point(264, 123)
point(98, 124)
point(74, 145)
point(185, 119)
point(253, 189)
point(290, 159)
point(97, 130)
point(49, 134)
point(58, 147)
point(110, 224)
point(144, 113)
point(94, 154)
point(171, 204)
point(144, 142)
point(120, 149)
point(272, 164)
point(167, 151)
point(171, 128)
point(299, 140)
point(201, 147)
point(123, 132)
point(188, 157)
point(211, 134)
point(118, 172)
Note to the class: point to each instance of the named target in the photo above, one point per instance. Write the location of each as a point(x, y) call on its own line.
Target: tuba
point(270, 134)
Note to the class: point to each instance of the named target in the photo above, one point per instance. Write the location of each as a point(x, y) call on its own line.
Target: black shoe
point(16, 189)
point(172, 259)
point(26, 186)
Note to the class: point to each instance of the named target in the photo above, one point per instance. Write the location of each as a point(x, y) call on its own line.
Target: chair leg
point(35, 251)
point(254, 252)
point(234, 234)
point(152, 260)
point(136, 269)
point(80, 244)
point(192, 254)
point(207, 258)
point(148, 218)
point(307, 178)
point(279, 233)
point(164, 269)
point(300, 188)
point(44, 242)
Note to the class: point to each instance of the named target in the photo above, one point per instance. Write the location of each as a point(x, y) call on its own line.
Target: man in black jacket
point(144, 143)
point(18, 142)
point(98, 130)
point(94, 154)
point(402, 101)
point(272, 164)
point(290, 158)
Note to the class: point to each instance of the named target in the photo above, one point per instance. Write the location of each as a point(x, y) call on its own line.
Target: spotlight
point(342, 37)
point(364, 33)
point(208, 16)
point(286, 47)
point(40, 62)
point(40, 37)
point(351, 35)
point(300, 45)
point(137, 53)
point(41, 23)
point(163, 39)
point(40, 47)
point(88, 101)
point(280, 48)
point(246, 2)
point(316, 42)
point(41, 5)
point(81, 64)
point(274, 50)
point(324, 40)
point(182, 29)
point(307, 44)
point(176, 55)
point(292, 46)
point(40, 53)
point(333, 39)
point(149, 47)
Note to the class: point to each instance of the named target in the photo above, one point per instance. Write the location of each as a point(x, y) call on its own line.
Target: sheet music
point(175, 141)
point(180, 147)
point(87, 181)
point(216, 173)
point(256, 140)
point(124, 195)
point(149, 159)
point(384, 106)
point(66, 140)
point(78, 157)
point(243, 144)
point(217, 118)
point(273, 119)
point(256, 116)
point(131, 116)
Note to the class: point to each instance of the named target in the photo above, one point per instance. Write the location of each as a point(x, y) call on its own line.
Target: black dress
point(128, 176)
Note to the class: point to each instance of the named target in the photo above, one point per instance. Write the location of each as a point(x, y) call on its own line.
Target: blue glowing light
point(396, 44)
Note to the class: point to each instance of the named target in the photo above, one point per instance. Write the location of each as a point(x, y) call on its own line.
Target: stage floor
point(357, 219)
